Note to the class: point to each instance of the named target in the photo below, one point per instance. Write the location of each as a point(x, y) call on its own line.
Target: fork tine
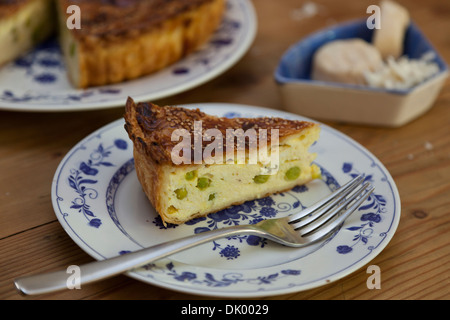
point(329, 201)
point(319, 219)
point(321, 231)
point(322, 216)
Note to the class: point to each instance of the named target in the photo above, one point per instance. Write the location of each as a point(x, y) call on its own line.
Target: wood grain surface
point(414, 265)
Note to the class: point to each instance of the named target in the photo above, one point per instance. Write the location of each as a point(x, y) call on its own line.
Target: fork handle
point(98, 270)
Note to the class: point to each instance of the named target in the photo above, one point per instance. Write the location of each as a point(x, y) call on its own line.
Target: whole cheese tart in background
point(181, 192)
point(23, 24)
point(123, 40)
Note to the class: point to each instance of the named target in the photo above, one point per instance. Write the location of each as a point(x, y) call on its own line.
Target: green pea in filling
point(203, 183)
point(293, 173)
point(191, 175)
point(261, 178)
point(181, 193)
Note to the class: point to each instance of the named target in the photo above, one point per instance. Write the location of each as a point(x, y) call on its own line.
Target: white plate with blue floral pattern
point(38, 81)
point(99, 202)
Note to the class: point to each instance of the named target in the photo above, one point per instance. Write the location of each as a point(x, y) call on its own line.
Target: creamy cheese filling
point(23, 30)
point(192, 189)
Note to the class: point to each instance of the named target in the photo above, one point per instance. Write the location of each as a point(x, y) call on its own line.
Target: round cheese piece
point(346, 61)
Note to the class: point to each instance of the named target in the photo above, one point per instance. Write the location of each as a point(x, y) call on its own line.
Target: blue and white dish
point(352, 103)
point(38, 81)
point(99, 202)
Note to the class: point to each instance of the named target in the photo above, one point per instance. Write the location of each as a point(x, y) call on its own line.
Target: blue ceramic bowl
point(293, 75)
point(296, 63)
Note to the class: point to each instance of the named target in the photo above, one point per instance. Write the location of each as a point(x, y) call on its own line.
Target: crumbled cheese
point(428, 146)
point(403, 73)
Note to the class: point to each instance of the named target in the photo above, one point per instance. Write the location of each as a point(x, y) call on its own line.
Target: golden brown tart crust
point(117, 18)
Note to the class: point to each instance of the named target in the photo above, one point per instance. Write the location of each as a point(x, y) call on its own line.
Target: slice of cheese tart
point(191, 164)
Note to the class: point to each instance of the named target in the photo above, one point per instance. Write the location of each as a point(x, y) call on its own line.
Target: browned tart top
point(115, 18)
point(151, 127)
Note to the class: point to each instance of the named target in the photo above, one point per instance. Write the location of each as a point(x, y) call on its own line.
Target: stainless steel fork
point(297, 230)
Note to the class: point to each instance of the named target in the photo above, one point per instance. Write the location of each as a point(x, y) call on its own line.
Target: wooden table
point(414, 265)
